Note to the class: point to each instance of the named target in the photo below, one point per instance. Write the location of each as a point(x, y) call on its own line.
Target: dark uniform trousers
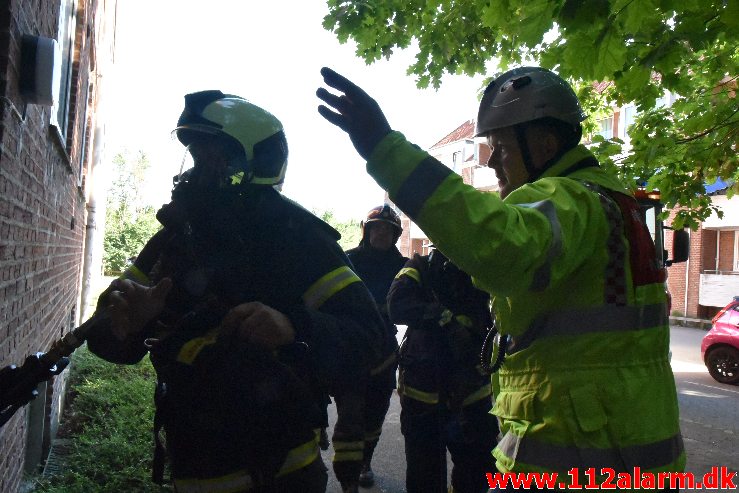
point(467, 434)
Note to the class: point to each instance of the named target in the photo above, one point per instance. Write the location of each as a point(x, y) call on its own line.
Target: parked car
point(720, 346)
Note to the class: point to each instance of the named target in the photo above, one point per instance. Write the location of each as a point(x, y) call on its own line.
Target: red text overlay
point(608, 479)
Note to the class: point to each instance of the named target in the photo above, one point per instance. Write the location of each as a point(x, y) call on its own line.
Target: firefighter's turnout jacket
point(377, 269)
point(447, 319)
point(237, 416)
point(587, 381)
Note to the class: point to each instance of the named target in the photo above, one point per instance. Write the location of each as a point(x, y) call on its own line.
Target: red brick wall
point(404, 242)
point(42, 214)
point(686, 273)
point(709, 249)
point(467, 175)
point(702, 258)
point(484, 156)
point(417, 247)
point(695, 267)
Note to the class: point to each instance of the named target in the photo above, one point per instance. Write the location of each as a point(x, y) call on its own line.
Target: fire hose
point(18, 385)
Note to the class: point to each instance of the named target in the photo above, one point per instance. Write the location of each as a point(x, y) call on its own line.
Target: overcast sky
point(269, 53)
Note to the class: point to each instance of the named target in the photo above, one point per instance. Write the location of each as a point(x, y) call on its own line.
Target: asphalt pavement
point(709, 420)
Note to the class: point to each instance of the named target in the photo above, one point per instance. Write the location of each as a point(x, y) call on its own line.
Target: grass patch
point(108, 417)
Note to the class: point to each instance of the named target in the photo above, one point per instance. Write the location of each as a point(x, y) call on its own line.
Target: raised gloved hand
point(358, 114)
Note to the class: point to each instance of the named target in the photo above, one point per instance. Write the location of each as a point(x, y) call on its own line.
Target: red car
point(720, 346)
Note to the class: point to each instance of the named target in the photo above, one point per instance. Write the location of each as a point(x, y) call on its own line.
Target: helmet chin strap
point(523, 145)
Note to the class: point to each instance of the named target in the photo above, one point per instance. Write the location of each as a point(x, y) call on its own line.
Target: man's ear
point(543, 144)
point(551, 144)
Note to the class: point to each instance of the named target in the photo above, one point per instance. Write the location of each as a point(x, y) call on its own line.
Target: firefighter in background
point(376, 260)
point(445, 397)
point(572, 268)
point(246, 336)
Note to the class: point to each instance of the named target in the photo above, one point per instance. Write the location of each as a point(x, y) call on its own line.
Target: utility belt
point(297, 458)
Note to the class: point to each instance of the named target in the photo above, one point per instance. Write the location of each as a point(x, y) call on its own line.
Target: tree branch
point(723, 124)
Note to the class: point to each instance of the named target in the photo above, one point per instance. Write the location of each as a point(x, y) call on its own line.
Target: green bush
point(125, 235)
point(108, 418)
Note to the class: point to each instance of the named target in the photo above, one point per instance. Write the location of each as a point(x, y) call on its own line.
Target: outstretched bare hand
point(356, 112)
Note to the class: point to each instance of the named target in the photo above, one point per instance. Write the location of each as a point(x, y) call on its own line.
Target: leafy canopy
point(636, 49)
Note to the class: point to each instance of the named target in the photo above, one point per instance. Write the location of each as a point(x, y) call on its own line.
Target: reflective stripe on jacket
point(588, 382)
point(297, 458)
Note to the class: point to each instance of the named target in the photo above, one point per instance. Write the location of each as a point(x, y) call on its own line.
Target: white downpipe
point(718, 250)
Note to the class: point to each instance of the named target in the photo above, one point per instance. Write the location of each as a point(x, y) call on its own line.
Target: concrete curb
point(697, 323)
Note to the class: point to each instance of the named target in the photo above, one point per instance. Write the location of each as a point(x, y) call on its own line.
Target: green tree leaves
point(639, 50)
point(351, 232)
point(128, 223)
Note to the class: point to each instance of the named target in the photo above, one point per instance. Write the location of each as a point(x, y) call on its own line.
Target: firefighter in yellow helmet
point(247, 338)
point(571, 266)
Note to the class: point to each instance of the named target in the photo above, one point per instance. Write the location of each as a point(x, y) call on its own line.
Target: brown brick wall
point(709, 249)
point(42, 213)
point(686, 274)
point(404, 242)
point(484, 151)
point(694, 267)
point(702, 258)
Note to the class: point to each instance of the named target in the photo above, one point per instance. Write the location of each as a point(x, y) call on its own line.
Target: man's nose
point(491, 161)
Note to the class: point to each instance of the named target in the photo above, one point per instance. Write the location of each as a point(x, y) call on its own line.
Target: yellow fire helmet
point(259, 133)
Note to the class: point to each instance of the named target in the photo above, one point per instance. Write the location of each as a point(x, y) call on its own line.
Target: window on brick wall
point(736, 251)
point(628, 114)
point(457, 160)
point(66, 34)
point(666, 100)
point(606, 127)
point(83, 143)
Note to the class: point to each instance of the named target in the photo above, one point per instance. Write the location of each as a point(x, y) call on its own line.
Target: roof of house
point(464, 131)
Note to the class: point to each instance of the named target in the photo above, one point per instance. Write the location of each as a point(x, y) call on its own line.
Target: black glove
point(358, 114)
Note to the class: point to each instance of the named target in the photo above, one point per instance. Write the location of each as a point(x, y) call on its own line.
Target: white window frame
point(83, 140)
point(624, 122)
point(736, 251)
point(66, 38)
point(606, 127)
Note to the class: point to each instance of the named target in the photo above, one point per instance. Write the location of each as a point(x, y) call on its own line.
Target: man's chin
point(503, 189)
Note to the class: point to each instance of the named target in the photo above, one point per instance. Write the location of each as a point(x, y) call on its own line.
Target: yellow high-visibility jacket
point(587, 382)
